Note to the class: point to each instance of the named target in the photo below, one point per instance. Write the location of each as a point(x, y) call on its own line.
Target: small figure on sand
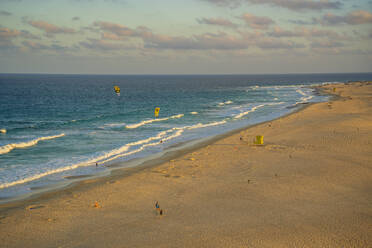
point(241, 138)
point(96, 164)
point(157, 207)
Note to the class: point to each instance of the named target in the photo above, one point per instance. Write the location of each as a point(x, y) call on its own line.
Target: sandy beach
point(309, 185)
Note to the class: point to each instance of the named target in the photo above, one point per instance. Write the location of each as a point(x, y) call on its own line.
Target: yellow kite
point(157, 112)
point(117, 90)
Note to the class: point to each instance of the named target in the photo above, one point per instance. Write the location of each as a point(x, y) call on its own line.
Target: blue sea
point(55, 127)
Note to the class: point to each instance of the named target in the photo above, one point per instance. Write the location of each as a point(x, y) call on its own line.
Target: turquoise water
point(56, 126)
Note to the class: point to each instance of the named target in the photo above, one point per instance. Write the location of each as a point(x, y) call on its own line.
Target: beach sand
point(309, 185)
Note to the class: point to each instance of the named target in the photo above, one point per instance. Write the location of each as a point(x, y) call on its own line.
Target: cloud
point(5, 13)
point(353, 18)
point(105, 45)
point(75, 18)
point(143, 35)
point(223, 3)
point(117, 36)
point(326, 44)
point(259, 39)
point(278, 44)
point(51, 29)
point(313, 21)
point(297, 5)
point(206, 41)
point(301, 4)
point(6, 33)
point(120, 30)
point(34, 45)
point(341, 51)
point(217, 22)
point(278, 32)
point(31, 45)
point(257, 22)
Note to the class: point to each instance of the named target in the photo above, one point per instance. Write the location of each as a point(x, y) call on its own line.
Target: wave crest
point(117, 153)
point(10, 147)
point(136, 125)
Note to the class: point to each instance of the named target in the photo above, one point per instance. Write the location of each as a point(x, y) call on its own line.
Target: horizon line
point(180, 74)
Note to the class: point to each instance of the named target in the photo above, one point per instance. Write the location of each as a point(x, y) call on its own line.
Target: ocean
point(57, 127)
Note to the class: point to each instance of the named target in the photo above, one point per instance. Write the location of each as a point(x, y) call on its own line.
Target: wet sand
point(309, 185)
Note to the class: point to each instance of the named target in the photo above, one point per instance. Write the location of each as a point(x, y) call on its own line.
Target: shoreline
point(308, 185)
point(153, 160)
point(120, 168)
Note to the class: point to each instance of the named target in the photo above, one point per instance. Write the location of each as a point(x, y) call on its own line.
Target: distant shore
point(308, 185)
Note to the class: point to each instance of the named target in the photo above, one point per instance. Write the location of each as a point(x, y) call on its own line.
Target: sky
point(185, 37)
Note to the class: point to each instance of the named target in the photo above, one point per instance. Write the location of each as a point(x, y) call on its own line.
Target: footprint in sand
point(275, 147)
point(168, 176)
point(2, 218)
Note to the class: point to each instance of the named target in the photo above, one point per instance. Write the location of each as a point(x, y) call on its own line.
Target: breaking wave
point(136, 125)
point(116, 153)
point(10, 147)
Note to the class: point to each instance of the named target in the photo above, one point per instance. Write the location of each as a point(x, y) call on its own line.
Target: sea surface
point(55, 127)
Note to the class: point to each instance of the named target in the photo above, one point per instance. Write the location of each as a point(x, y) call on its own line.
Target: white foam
point(113, 154)
point(106, 157)
point(255, 108)
point(177, 133)
point(200, 125)
point(249, 111)
point(300, 92)
point(136, 125)
point(117, 153)
point(225, 103)
point(9, 147)
point(305, 97)
point(112, 125)
point(194, 113)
